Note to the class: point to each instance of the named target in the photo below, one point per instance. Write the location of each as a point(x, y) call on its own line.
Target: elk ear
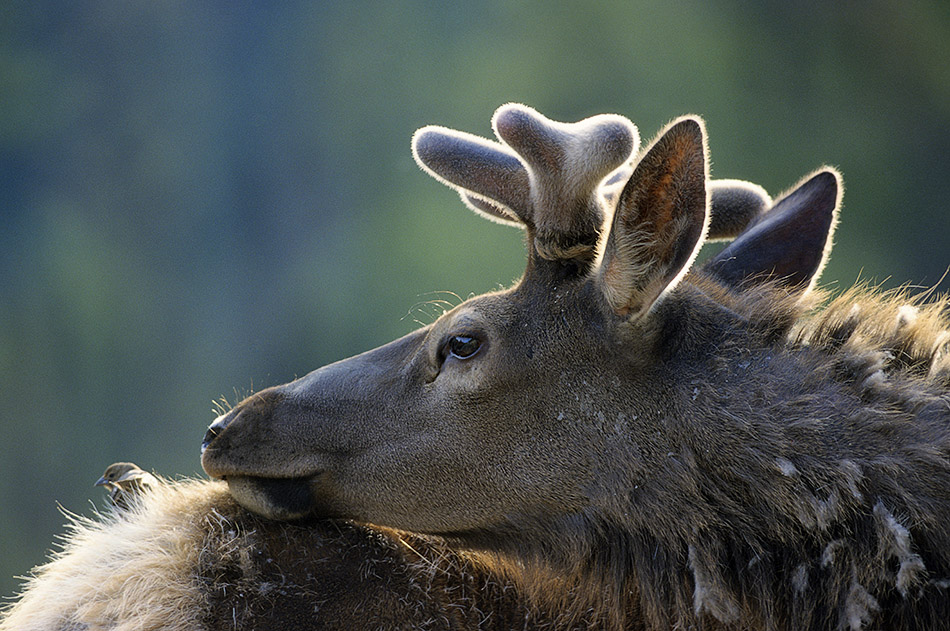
point(790, 243)
point(660, 221)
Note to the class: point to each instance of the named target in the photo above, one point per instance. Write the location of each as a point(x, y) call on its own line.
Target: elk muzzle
point(272, 491)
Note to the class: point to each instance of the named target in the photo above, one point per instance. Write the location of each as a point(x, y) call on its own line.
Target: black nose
point(216, 428)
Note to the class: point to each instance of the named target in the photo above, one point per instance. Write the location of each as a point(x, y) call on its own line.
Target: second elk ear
point(788, 244)
point(659, 223)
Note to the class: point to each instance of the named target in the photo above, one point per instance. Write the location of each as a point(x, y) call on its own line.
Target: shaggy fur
point(186, 557)
point(837, 520)
point(132, 569)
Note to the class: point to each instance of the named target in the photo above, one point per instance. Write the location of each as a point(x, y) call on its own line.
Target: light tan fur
point(130, 570)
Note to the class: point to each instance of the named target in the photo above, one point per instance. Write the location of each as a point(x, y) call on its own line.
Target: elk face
point(473, 421)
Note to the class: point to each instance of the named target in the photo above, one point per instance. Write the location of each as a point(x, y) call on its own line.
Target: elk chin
point(281, 499)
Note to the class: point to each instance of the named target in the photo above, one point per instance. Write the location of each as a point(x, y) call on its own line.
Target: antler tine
point(490, 209)
point(482, 170)
point(567, 163)
point(734, 206)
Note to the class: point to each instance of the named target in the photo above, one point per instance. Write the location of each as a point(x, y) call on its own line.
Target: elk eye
point(463, 346)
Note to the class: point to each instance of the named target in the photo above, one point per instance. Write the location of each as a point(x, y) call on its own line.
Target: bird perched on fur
point(125, 480)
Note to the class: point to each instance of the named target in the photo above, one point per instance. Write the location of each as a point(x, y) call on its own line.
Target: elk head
point(549, 399)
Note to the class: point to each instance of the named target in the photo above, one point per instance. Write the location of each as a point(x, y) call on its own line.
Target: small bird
point(124, 481)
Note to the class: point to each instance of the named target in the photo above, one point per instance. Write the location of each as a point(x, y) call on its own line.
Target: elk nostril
point(215, 429)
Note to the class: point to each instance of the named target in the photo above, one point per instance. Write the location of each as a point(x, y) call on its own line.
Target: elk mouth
point(282, 499)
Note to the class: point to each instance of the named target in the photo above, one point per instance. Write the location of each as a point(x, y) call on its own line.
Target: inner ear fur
point(660, 221)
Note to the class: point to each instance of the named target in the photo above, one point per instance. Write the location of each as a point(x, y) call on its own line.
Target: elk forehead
point(474, 313)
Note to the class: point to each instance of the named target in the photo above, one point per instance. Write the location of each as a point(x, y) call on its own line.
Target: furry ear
point(660, 221)
point(789, 243)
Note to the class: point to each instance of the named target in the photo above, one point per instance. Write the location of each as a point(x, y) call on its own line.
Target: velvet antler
point(544, 174)
point(552, 178)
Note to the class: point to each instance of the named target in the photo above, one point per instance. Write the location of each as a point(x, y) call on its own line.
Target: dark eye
point(462, 346)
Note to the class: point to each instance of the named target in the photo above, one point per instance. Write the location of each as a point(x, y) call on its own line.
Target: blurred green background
point(199, 199)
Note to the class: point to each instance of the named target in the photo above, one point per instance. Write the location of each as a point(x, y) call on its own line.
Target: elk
point(622, 440)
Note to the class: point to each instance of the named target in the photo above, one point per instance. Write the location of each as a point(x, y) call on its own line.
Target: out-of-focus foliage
point(202, 198)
